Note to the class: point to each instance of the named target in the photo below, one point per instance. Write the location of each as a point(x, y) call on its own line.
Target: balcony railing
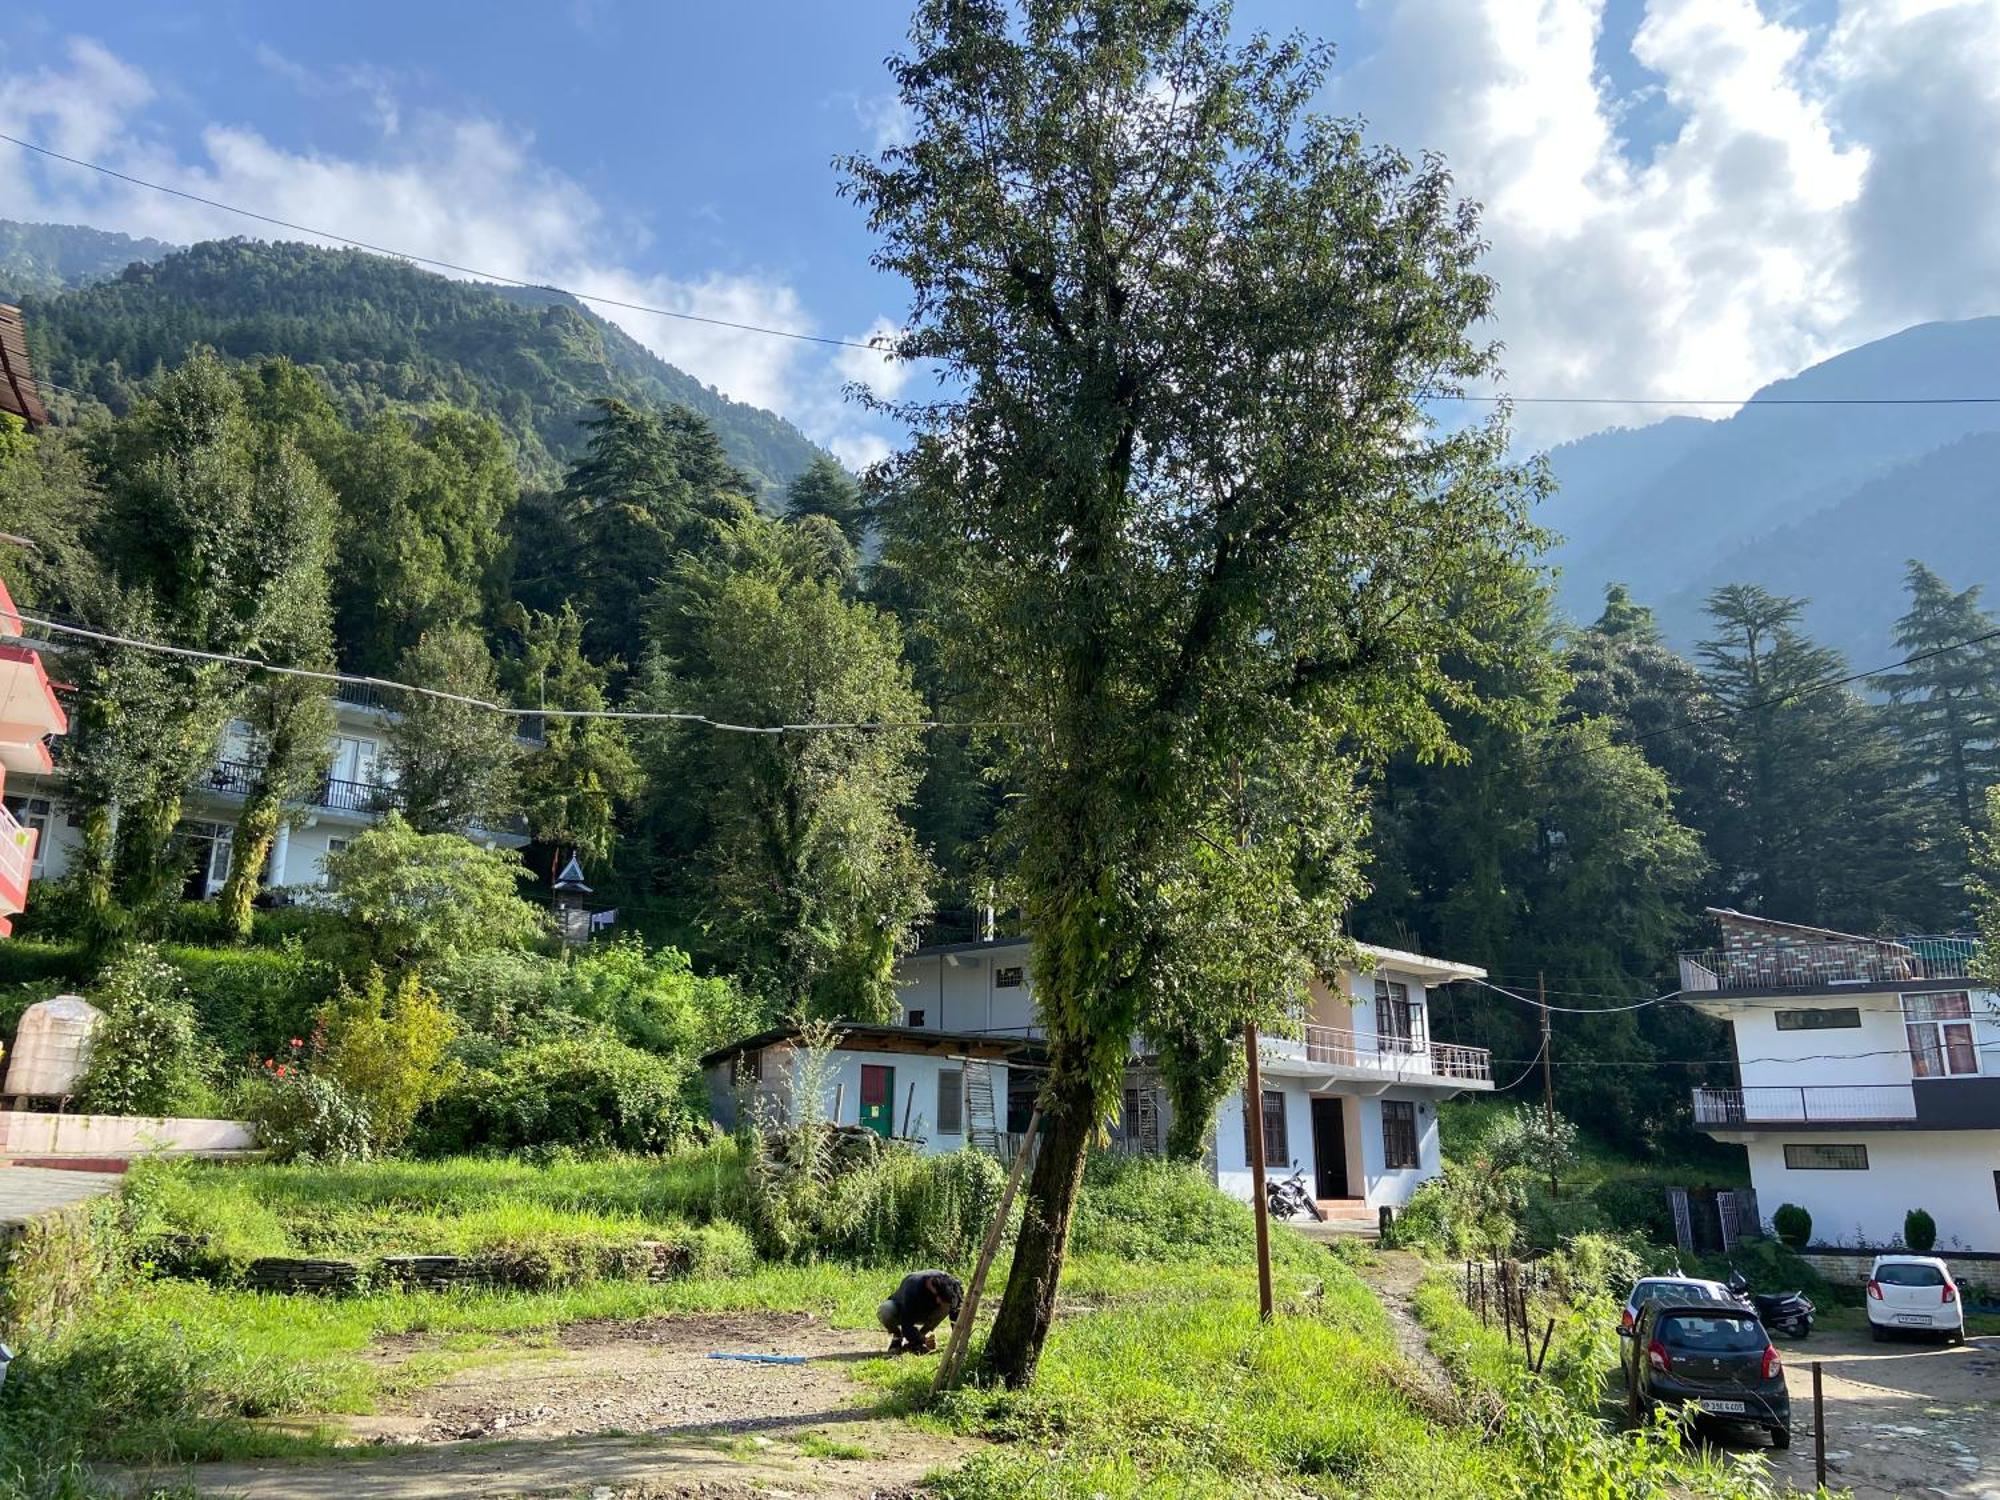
point(1830, 1104)
point(1398, 1055)
point(345, 796)
point(239, 778)
point(362, 695)
point(1804, 966)
point(17, 852)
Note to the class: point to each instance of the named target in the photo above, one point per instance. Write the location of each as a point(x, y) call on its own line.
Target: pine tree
point(1946, 706)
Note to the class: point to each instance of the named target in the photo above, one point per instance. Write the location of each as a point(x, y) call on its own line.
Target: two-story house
point(1351, 1098)
point(345, 801)
point(1868, 1077)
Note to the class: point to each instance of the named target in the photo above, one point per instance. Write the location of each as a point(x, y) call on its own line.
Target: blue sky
point(1681, 193)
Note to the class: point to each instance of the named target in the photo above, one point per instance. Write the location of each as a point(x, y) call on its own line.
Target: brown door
point(878, 1090)
point(1329, 1148)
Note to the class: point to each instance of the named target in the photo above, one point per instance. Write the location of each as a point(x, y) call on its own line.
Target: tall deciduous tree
point(584, 770)
point(451, 765)
point(1183, 500)
point(808, 878)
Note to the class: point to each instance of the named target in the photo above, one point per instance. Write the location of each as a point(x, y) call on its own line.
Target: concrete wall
point(960, 991)
point(1367, 1177)
point(1949, 1174)
point(26, 1133)
point(1875, 1053)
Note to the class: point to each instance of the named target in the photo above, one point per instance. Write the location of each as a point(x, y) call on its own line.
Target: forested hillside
point(385, 334)
point(43, 258)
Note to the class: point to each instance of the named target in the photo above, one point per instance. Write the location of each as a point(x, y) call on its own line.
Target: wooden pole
point(1819, 1429)
point(1547, 1334)
point(909, 1104)
point(961, 1331)
point(1259, 1208)
point(1548, 1081)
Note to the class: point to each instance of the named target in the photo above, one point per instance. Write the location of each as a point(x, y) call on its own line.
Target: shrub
point(591, 1091)
point(1596, 1264)
point(1462, 1212)
point(302, 1116)
point(1636, 1205)
point(387, 1048)
point(251, 1000)
point(146, 1057)
point(1548, 1222)
point(904, 1207)
point(1919, 1231)
point(1529, 1140)
point(1141, 1208)
point(427, 898)
point(1792, 1225)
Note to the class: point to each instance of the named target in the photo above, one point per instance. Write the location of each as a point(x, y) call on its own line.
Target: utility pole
point(1548, 1081)
point(1258, 1205)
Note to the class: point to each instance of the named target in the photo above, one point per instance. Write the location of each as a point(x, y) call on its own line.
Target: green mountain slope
point(385, 333)
point(44, 258)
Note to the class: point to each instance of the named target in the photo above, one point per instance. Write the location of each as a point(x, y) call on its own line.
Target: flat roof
point(863, 1036)
point(1393, 958)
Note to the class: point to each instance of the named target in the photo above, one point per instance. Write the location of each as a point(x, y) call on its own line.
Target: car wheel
point(1877, 1332)
point(1958, 1336)
point(1781, 1438)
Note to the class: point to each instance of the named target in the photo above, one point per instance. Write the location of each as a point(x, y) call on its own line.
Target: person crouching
point(923, 1300)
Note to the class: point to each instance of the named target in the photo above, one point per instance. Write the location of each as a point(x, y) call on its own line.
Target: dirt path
point(1393, 1277)
point(1901, 1418)
point(614, 1409)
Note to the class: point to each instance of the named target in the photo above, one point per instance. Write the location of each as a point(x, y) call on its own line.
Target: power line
point(508, 710)
point(431, 260)
point(1574, 1010)
point(879, 348)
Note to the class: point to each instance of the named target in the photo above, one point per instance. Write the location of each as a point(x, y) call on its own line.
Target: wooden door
point(1329, 1148)
point(878, 1094)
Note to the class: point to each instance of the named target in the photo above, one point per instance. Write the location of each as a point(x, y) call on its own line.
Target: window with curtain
point(1940, 1033)
point(1277, 1149)
point(1399, 1135)
point(1398, 1019)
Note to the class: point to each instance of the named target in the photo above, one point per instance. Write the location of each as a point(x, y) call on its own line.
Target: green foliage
point(1531, 1140)
point(1919, 1231)
point(386, 1048)
point(146, 1057)
point(301, 1114)
point(424, 899)
point(1792, 1225)
point(1638, 1205)
point(1596, 1265)
point(584, 771)
point(900, 1208)
point(450, 766)
point(590, 1091)
point(1945, 705)
point(1141, 1209)
point(1462, 1212)
point(251, 1001)
point(825, 489)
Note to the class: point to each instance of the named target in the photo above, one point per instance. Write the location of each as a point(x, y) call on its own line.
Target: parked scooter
point(1789, 1313)
point(1288, 1197)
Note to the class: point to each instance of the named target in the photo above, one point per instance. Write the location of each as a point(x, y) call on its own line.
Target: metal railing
point(362, 695)
point(1399, 1055)
point(1803, 966)
point(239, 778)
point(1833, 1104)
point(236, 778)
point(17, 851)
point(345, 796)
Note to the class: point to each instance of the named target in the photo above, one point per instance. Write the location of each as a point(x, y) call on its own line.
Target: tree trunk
point(1029, 1304)
point(255, 829)
point(146, 870)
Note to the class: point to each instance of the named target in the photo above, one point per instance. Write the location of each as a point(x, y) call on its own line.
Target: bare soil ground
point(1902, 1418)
point(613, 1409)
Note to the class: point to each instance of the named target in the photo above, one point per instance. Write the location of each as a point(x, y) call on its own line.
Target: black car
point(1716, 1353)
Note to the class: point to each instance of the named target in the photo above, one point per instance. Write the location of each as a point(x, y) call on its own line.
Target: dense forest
point(434, 483)
point(38, 259)
point(379, 333)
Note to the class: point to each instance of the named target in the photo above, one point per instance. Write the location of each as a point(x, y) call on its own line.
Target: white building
point(1863, 1089)
point(342, 804)
point(1351, 1099)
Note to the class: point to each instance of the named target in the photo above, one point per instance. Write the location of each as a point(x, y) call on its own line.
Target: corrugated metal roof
point(17, 383)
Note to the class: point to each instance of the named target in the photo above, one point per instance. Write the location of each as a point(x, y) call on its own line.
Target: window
point(1399, 1135)
point(917, 1019)
point(951, 1101)
point(333, 846)
point(1008, 978)
point(749, 1066)
point(1940, 1032)
point(1398, 1022)
point(1816, 1158)
point(1908, 1273)
point(1833, 1018)
point(1277, 1150)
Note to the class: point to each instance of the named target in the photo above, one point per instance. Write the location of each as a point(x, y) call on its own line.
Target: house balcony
point(17, 863)
point(1803, 967)
point(1329, 1052)
point(1784, 1106)
point(239, 778)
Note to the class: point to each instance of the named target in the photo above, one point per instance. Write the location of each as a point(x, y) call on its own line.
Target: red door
point(878, 1089)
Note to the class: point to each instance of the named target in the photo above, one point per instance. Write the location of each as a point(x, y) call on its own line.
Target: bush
point(250, 1001)
point(146, 1058)
point(1792, 1225)
point(387, 1050)
point(1548, 1222)
point(902, 1207)
point(427, 898)
point(1636, 1205)
point(592, 1092)
point(1531, 1141)
point(1919, 1231)
point(1596, 1265)
point(1142, 1208)
point(301, 1116)
point(1462, 1212)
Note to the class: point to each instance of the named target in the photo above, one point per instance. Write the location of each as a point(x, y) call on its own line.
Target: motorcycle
point(1288, 1197)
point(1789, 1313)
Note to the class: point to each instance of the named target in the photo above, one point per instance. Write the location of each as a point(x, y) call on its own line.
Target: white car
point(1653, 1288)
point(1915, 1292)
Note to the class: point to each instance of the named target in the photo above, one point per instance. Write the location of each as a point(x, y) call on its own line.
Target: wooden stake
point(1548, 1082)
point(961, 1331)
point(1547, 1334)
point(1819, 1429)
point(1258, 1207)
point(909, 1104)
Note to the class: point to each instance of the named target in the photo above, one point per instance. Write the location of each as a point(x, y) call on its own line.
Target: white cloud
point(467, 191)
point(883, 375)
point(1814, 189)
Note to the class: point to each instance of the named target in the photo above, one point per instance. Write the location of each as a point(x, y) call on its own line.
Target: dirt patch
point(633, 1408)
point(1393, 1276)
point(1902, 1418)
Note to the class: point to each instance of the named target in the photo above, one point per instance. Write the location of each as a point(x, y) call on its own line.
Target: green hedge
point(251, 1000)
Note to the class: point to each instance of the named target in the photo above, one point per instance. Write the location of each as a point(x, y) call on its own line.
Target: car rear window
point(1719, 1335)
point(1655, 1291)
point(1904, 1274)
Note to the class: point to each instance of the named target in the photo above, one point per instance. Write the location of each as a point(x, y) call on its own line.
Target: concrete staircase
point(1344, 1217)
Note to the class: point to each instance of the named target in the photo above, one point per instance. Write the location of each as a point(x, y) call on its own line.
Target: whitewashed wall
point(1949, 1174)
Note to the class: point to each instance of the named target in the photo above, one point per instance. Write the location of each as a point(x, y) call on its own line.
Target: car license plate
point(1917, 1318)
point(1724, 1408)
